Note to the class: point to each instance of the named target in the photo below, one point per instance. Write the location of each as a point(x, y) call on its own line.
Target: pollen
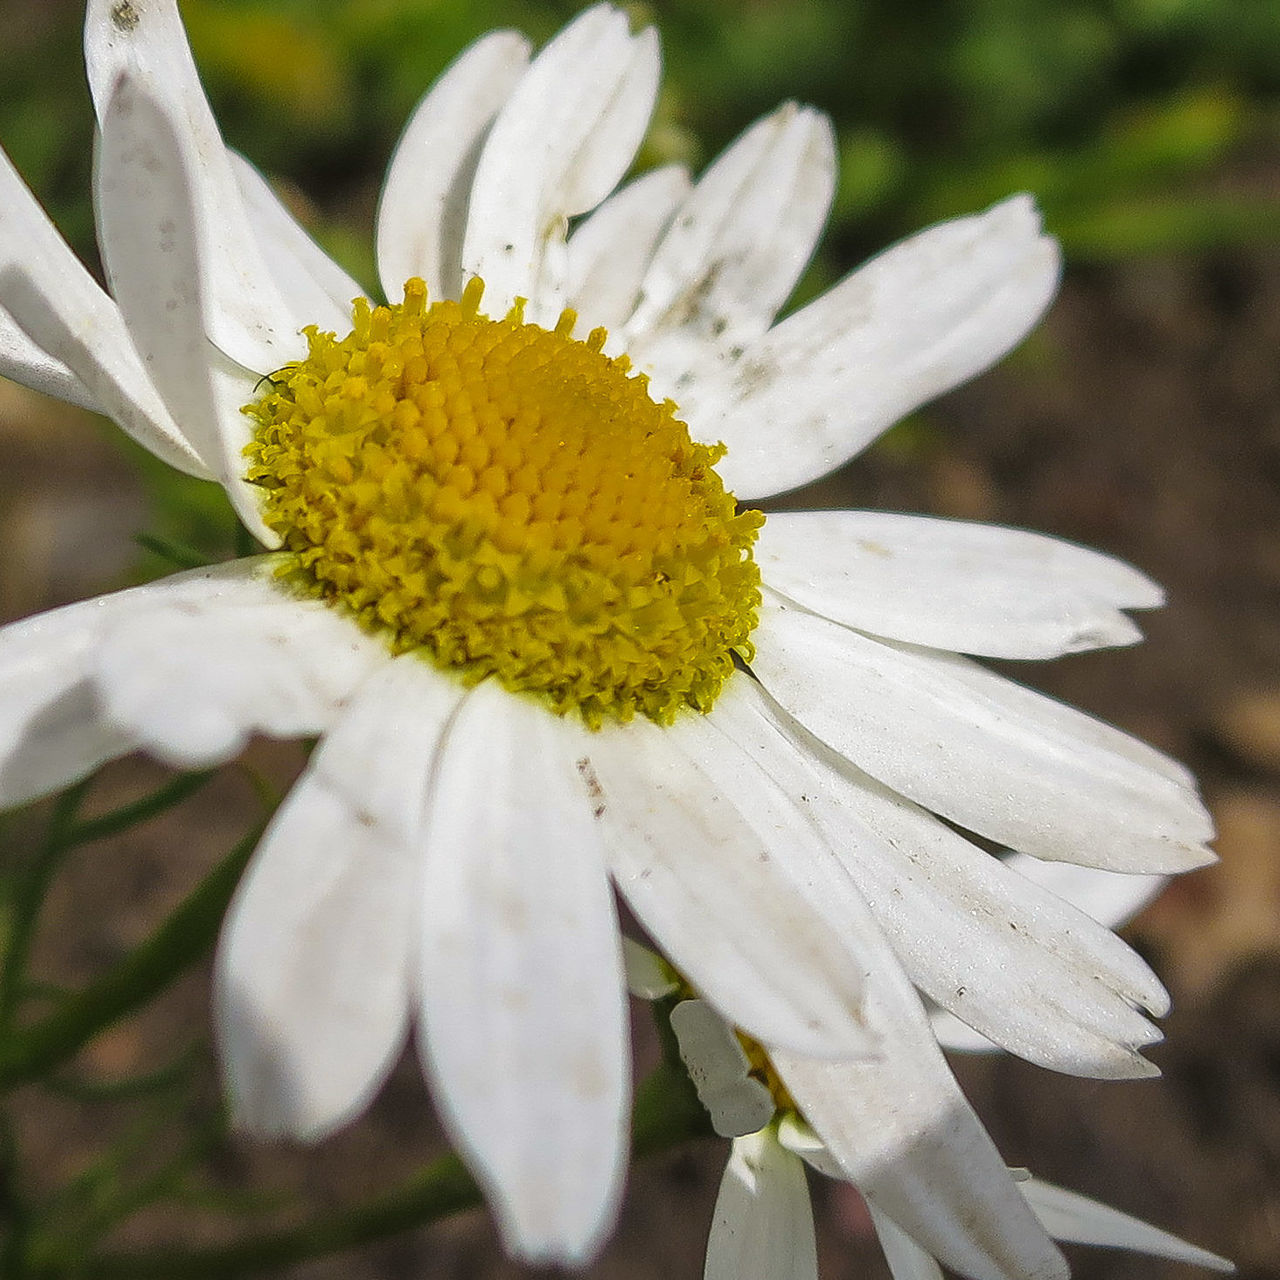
point(508, 501)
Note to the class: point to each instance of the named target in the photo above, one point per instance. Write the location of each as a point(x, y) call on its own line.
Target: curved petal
point(523, 1008)
point(949, 584)
point(735, 249)
point(314, 285)
point(609, 251)
point(190, 679)
point(906, 1259)
point(313, 983)
point(60, 307)
point(730, 878)
point(152, 249)
point(736, 1102)
point(919, 319)
point(243, 311)
point(422, 213)
point(558, 147)
point(901, 1131)
point(53, 730)
point(23, 361)
point(1110, 897)
point(931, 727)
point(1066, 1215)
point(763, 1223)
point(1024, 967)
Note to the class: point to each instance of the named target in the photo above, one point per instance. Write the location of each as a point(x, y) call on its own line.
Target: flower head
point(546, 655)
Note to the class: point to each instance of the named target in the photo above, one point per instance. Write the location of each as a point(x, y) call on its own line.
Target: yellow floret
point(510, 502)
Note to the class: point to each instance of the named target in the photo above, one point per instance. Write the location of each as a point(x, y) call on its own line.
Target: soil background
point(1144, 419)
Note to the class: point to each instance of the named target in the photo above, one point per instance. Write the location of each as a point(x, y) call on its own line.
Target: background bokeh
point(1142, 418)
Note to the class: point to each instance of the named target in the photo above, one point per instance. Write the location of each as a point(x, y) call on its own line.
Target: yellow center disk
point(510, 502)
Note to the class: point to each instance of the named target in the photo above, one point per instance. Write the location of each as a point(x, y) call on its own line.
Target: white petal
point(1024, 967)
point(958, 1036)
point(735, 249)
point(558, 147)
point(191, 679)
point(523, 1011)
point(906, 1259)
point(422, 213)
point(730, 879)
point(51, 731)
point(1069, 1216)
point(314, 970)
point(61, 309)
point(243, 311)
point(24, 362)
point(649, 976)
point(718, 1066)
point(52, 728)
point(903, 1134)
point(922, 723)
point(609, 251)
point(314, 285)
point(919, 319)
point(151, 247)
point(948, 584)
point(1109, 897)
point(763, 1224)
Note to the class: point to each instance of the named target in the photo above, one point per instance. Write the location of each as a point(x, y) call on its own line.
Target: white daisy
point(509, 582)
point(900, 1131)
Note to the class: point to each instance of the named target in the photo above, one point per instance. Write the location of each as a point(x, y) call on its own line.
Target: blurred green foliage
point(1135, 122)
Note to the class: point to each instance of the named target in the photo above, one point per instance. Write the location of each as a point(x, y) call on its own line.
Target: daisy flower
point(510, 588)
point(877, 1128)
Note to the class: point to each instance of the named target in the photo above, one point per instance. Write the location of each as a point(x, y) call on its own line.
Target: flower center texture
point(509, 501)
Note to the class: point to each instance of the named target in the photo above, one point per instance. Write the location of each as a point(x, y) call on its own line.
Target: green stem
point(172, 793)
point(666, 1112)
point(29, 898)
point(182, 939)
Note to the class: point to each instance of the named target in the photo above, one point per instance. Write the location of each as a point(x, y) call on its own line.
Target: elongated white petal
point(58, 305)
point(763, 1224)
point(609, 251)
point(51, 730)
point(949, 584)
point(558, 147)
point(1026, 968)
point(422, 214)
point(922, 723)
point(919, 319)
point(735, 249)
point(191, 679)
point(901, 1131)
point(313, 985)
point(1066, 1215)
point(958, 1036)
point(719, 1068)
point(523, 1009)
point(52, 727)
point(730, 878)
point(151, 246)
point(312, 283)
point(1109, 897)
point(243, 311)
point(23, 361)
point(906, 1259)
